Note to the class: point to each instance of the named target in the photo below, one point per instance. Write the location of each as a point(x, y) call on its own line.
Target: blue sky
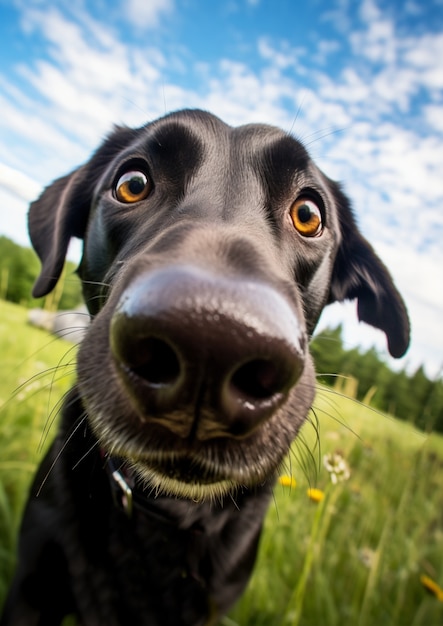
point(359, 81)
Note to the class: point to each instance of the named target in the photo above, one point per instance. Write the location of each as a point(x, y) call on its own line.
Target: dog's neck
point(127, 495)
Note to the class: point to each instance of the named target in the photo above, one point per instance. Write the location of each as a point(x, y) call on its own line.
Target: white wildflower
point(337, 467)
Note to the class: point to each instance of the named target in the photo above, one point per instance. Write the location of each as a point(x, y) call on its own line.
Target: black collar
point(127, 495)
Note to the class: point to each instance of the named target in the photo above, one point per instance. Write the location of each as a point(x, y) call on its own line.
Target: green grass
point(354, 559)
point(36, 371)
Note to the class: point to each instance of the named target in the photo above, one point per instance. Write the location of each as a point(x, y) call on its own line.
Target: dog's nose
point(205, 355)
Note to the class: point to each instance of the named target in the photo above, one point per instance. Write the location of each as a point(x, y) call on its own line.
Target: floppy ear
point(359, 273)
point(62, 210)
point(60, 213)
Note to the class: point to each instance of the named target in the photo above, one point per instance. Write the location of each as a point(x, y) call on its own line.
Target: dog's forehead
point(196, 131)
point(193, 143)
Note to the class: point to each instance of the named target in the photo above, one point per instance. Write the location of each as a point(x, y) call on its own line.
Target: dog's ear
point(60, 213)
point(62, 210)
point(359, 273)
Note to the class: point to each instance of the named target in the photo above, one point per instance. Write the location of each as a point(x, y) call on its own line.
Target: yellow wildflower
point(287, 481)
point(316, 495)
point(431, 586)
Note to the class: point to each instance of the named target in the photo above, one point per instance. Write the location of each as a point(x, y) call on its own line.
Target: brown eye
point(306, 217)
point(132, 187)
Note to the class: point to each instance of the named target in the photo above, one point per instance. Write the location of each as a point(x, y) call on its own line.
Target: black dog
point(209, 254)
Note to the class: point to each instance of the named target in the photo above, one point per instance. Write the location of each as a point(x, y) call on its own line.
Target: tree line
point(412, 397)
point(19, 267)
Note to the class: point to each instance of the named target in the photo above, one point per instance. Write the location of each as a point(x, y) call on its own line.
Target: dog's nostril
point(257, 379)
point(205, 355)
point(157, 362)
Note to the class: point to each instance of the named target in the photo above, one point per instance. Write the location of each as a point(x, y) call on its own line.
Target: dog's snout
point(205, 354)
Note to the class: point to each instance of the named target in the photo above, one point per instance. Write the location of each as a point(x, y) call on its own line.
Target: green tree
point(394, 395)
point(19, 267)
point(422, 400)
point(328, 353)
point(414, 398)
point(18, 270)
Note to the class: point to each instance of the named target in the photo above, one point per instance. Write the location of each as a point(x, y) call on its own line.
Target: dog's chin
point(162, 481)
point(184, 475)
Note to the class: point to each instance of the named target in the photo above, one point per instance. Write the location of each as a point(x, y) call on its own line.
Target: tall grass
point(353, 558)
point(356, 557)
point(36, 370)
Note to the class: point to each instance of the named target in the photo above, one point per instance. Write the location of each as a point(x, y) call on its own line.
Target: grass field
point(353, 558)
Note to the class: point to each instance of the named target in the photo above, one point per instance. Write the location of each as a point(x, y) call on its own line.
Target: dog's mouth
point(188, 471)
point(186, 477)
point(207, 472)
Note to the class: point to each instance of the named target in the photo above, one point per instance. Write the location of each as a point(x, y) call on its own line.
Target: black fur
point(195, 375)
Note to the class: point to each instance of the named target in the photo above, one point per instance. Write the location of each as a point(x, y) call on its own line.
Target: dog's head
point(209, 254)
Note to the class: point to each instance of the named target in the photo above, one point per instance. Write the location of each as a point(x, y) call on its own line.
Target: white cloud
point(146, 14)
point(18, 183)
point(92, 80)
point(433, 114)
point(42, 147)
point(325, 49)
point(282, 59)
point(13, 216)
point(338, 16)
point(369, 11)
point(402, 65)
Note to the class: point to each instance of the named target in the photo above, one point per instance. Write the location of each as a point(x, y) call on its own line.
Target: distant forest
point(411, 397)
point(19, 267)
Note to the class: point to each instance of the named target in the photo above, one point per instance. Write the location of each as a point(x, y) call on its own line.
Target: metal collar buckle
point(121, 491)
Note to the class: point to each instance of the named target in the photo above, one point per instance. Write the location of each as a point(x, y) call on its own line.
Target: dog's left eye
point(306, 217)
point(132, 187)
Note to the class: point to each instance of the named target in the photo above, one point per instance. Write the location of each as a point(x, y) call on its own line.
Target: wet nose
point(206, 354)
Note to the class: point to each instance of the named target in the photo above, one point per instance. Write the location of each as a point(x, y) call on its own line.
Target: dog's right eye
point(132, 187)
